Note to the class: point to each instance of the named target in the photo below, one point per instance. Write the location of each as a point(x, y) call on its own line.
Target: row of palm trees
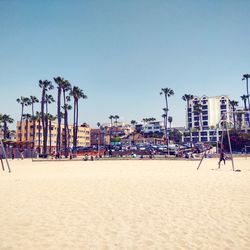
point(64, 93)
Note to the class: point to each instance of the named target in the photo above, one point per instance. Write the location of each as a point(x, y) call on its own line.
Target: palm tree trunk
point(166, 117)
point(21, 124)
point(45, 135)
point(33, 130)
point(65, 125)
point(58, 138)
point(189, 127)
point(76, 123)
point(26, 129)
point(5, 130)
point(39, 135)
point(234, 119)
point(248, 94)
point(50, 137)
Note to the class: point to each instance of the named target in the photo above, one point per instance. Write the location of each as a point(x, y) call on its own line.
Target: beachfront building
point(97, 137)
point(153, 127)
point(204, 115)
point(83, 135)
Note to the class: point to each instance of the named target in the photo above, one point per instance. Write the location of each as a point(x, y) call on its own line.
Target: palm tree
point(27, 118)
point(66, 86)
point(38, 118)
point(244, 99)
point(48, 100)
point(198, 110)
point(45, 86)
point(5, 119)
point(246, 77)
point(234, 104)
point(77, 94)
point(51, 118)
point(133, 123)
point(111, 117)
point(59, 81)
point(116, 117)
point(33, 100)
point(66, 134)
point(24, 101)
point(187, 98)
point(170, 120)
point(167, 92)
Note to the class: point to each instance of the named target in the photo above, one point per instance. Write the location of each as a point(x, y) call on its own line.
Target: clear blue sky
point(121, 53)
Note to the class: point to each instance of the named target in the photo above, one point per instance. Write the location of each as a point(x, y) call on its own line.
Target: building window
point(203, 138)
point(204, 107)
point(205, 117)
point(205, 112)
point(205, 123)
point(213, 139)
point(223, 106)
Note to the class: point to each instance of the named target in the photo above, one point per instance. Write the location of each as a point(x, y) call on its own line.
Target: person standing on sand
point(222, 158)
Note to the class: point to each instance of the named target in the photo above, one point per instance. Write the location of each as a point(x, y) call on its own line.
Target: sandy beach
point(151, 204)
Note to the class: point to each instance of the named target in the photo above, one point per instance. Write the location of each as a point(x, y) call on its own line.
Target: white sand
point(125, 205)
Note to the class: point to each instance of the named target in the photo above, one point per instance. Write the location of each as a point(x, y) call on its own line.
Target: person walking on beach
point(222, 158)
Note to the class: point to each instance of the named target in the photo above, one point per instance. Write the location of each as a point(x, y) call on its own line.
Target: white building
point(205, 112)
point(153, 127)
point(204, 115)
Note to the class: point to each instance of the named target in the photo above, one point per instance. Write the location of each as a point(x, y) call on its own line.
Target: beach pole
point(2, 162)
point(203, 156)
point(4, 152)
point(230, 147)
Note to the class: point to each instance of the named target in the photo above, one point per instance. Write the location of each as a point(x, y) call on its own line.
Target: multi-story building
point(153, 127)
point(204, 116)
point(97, 137)
point(83, 135)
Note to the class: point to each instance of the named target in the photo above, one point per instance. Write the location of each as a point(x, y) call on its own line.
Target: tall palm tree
point(244, 99)
point(59, 81)
point(66, 107)
point(51, 118)
point(170, 120)
point(187, 98)
point(27, 118)
point(23, 101)
point(33, 100)
point(48, 100)
point(234, 104)
point(246, 77)
point(66, 87)
point(45, 86)
point(99, 139)
point(111, 117)
point(133, 123)
point(5, 119)
point(116, 117)
point(167, 92)
point(77, 94)
point(38, 118)
point(198, 110)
